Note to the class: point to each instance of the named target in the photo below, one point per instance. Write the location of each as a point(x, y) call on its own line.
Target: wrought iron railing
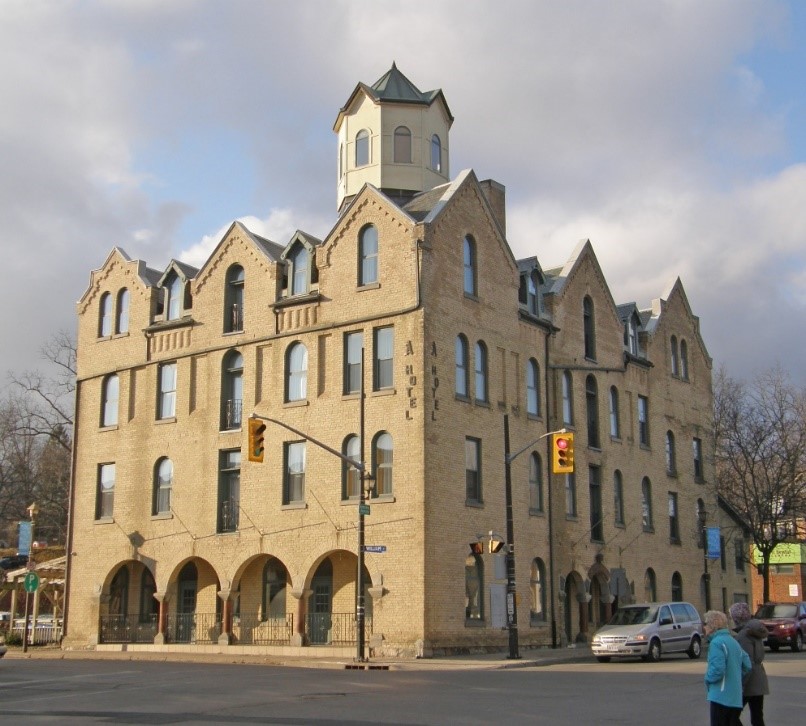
point(193, 628)
point(334, 628)
point(233, 408)
point(229, 515)
point(128, 629)
point(251, 630)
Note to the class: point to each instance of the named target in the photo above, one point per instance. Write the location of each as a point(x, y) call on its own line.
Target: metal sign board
point(376, 549)
point(714, 544)
point(31, 582)
point(363, 509)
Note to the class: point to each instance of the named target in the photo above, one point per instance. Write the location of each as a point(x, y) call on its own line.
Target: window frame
point(436, 154)
point(595, 504)
point(671, 454)
point(462, 367)
point(110, 401)
point(473, 473)
point(402, 145)
point(536, 505)
point(105, 315)
point(368, 256)
point(383, 361)
point(469, 267)
point(352, 367)
point(229, 491)
point(105, 491)
point(532, 388)
point(571, 511)
point(363, 150)
point(122, 303)
point(350, 475)
point(674, 518)
point(481, 373)
point(538, 593)
point(296, 372)
point(647, 522)
point(162, 487)
point(567, 386)
point(618, 498)
point(232, 384)
point(643, 420)
point(383, 465)
point(234, 294)
point(588, 328)
point(699, 470)
point(592, 412)
point(615, 422)
point(166, 396)
point(294, 482)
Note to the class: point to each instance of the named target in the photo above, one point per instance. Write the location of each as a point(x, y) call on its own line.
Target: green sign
point(363, 509)
point(786, 553)
point(31, 582)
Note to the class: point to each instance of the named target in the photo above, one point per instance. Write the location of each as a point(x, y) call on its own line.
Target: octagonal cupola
point(394, 136)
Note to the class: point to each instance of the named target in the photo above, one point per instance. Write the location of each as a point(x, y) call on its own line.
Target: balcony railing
point(250, 630)
point(193, 628)
point(229, 516)
point(128, 628)
point(233, 409)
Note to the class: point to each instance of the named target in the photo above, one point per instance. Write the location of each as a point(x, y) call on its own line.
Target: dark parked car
point(13, 562)
point(786, 622)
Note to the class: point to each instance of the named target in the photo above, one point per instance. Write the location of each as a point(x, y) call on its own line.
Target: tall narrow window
point(275, 580)
point(351, 477)
point(149, 607)
point(674, 519)
point(592, 410)
point(643, 420)
point(615, 426)
point(105, 316)
point(671, 456)
point(481, 392)
point(110, 396)
point(684, 360)
point(229, 490)
point(232, 390)
point(646, 505)
point(461, 352)
point(173, 298)
point(163, 484)
point(474, 588)
point(596, 513)
point(122, 312)
point(675, 361)
point(362, 148)
point(568, 399)
point(532, 388)
point(650, 586)
point(300, 269)
point(234, 298)
point(402, 153)
point(699, 474)
point(618, 498)
point(469, 263)
point(368, 262)
point(632, 335)
point(473, 470)
point(570, 495)
point(294, 480)
point(296, 372)
point(532, 301)
point(105, 497)
point(535, 484)
point(589, 328)
point(382, 454)
point(436, 153)
point(677, 588)
point(537, 590)
point(353, 349)
point(383, 369)
point(167, 392)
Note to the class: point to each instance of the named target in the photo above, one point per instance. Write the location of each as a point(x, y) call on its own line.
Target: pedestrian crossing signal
point(256, 446)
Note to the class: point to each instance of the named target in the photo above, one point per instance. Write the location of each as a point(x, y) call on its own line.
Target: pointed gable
point(140, 276)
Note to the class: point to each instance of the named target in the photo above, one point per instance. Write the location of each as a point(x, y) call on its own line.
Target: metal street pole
point(363, 480)
point(703, 515)
point(33, 510)
point(512, 609)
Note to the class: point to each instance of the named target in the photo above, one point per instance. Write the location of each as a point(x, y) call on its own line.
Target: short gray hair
point(716, 619)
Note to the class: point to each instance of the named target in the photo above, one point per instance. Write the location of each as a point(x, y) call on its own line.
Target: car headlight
point(639, 637)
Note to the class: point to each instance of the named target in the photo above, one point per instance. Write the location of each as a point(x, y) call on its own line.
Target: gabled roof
point(148, 276)
point(183, 270)
point(306, 240)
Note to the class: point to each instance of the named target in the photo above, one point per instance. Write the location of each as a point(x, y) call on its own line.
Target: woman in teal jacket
point(727, 666)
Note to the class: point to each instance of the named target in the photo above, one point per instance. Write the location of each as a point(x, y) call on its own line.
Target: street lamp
point(33, 510)
point(702, 516)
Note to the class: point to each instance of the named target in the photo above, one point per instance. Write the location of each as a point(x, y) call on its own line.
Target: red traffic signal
point(562, 450)
point(476, 548)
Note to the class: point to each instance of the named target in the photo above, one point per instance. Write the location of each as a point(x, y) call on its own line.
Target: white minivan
point(648, 630)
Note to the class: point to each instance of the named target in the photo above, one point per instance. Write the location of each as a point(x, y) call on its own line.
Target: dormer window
point(173, 298)
point(402, 152)
point(632, 335)
point(300, 267)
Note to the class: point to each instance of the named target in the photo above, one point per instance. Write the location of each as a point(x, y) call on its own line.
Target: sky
point(671, 133)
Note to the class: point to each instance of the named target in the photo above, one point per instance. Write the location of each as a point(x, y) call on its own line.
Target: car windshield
point(777, 611)
point(634, 616)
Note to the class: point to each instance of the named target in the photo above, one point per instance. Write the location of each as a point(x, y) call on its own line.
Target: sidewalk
point(478, 661)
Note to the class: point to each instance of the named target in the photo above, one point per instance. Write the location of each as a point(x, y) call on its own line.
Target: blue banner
point(714, 544)
point(24, 542)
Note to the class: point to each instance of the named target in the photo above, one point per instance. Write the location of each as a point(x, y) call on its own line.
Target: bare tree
point(760, 430)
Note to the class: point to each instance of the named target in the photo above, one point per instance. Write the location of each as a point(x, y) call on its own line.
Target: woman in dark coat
point(750, 634)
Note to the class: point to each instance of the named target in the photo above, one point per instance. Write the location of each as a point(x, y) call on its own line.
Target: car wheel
point(797, 642)
point(653, 654)
point(603, 658)
point(695, 649)
point(774, 648)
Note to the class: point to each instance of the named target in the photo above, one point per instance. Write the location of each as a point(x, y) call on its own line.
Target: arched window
point(592, 408)
point(232, 390)
point(163, 484)
point(402, 153)
point(615, 426)
point(105, 316)
point(461, 366)
point(436, 153)
point(532, 388)
point(674, 359)
point(537, 590)
point(275, 581)
point(650, 586)
point(233, 300)
point(122, 312)
point(671, 456)
point(382, 453)
point(535, 484)
point(469, 264)
point(481, 372)
point(296, 373)
point(362, 148)
point(589, 327)
point(677, 587)
point(300, 264)
point(368, 251)
point(618, 498)
point(683, 360)
point(351, 477)
point(646, 505)
point(173, 298)
point(474, 588)
point(110, 396)
point(568, 399)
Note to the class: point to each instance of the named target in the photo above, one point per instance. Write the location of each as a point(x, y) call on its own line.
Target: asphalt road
point(143, 692)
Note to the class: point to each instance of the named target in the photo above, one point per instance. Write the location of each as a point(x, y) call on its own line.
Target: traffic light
point(256, 447)
point(476, 548)
point(496, 545)
point(562, 453)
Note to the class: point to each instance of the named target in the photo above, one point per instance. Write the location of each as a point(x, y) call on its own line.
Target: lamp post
point(702, 515)
point(33, 510)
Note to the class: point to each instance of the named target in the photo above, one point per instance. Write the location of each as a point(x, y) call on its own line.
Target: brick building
point(177, 539)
